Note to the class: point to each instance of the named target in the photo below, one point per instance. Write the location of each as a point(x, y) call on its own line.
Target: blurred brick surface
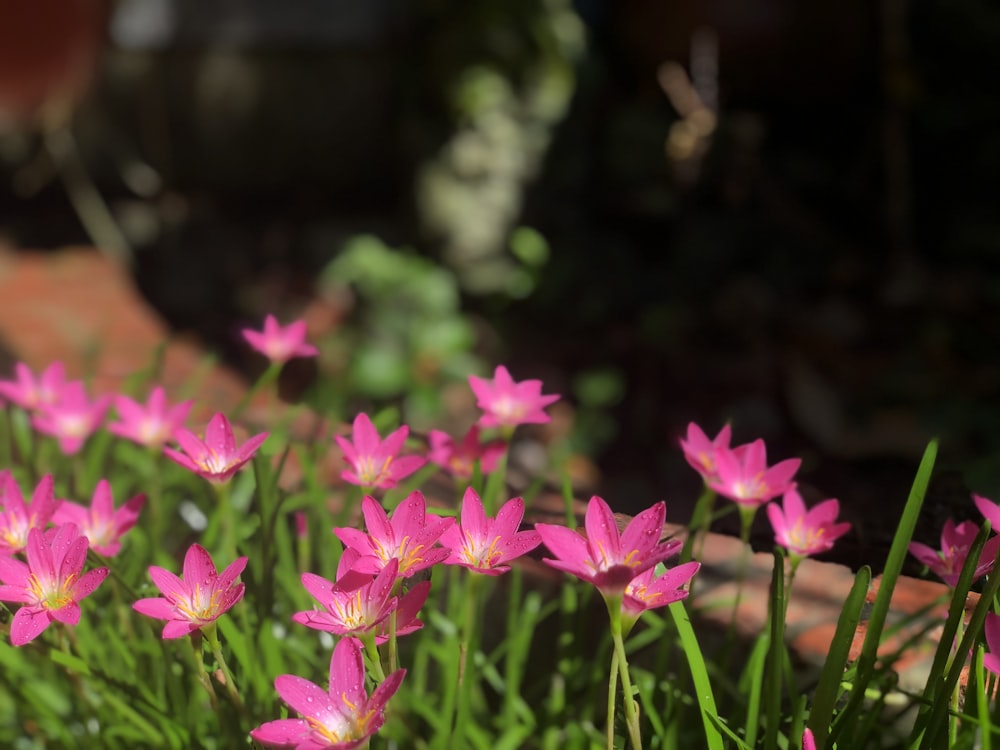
point(79, 307)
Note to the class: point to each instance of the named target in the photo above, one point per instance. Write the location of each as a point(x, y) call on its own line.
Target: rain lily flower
point(808, 741)
point(649, 591)
point(376, 462)
point(50, 586)
point(459, 459)
point(947, 563)
point(280, 343)
point(743, 476)
point(217, 458)
point(604, 557)
point(72, 418)
point(989, 509)
point(343, 718)
point(150, 424)
point(357, 603)
point(101, 523)
point(700, 451)
point(197, 599)
point(16, 518)
point(805, 532)
point(991, 629)
point(30, 392)
point(484, 544)
point(508, 404)
point(408, 538)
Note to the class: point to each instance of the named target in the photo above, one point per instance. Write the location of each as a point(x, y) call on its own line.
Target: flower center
point(369, 475)
point(15, 531)
point(202, 605)
point(351, 611)
point(52, 594)
point(481, 555)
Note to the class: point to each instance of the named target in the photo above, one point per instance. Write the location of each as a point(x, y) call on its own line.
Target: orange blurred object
point(48, 53)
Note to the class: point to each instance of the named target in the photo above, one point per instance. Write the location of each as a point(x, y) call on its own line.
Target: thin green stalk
point(614, 604)
point(983, 703)
point(374, 659)
point(199, 661)
point(612, 695)
point(495, 482)
point(468, 643)
point(699, 675)
point(270, 375)
point(772, 694)
point(212, 636)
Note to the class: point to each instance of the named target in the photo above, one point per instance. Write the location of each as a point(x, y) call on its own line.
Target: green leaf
point(702, 685)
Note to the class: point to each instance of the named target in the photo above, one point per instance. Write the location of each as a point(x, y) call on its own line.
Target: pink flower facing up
point(342, 718)
point(16, 518)
point(991, 629)
point(50, 586)
point(743, 476)
point(198, 599)
point(508, 404)
point(358, 604)
point(101, 523)
point(151, 424)
point(376, 462)
point(459, 459)
point(30, 392)
point(484, 544)
point(603, 557)
point(72, 418)
point(280, 343)
point(408, 538)
point(947, 563)
point(217, 458)
point(649, 591)
point(700, 451)
point(805, 532)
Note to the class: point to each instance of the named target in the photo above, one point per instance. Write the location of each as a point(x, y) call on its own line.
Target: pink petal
point(247, 450)
point(365, 436)
point(303, 696)
point(198, 566)
point(403, 466)
point(89, 581)
point(28, 624)
point(178, 629)
point(385, 691)
point(190, 443)
point(777, 518)
point(181, 459)
point(347, 673)
point(68, 614)
point(75, 556)
point(602, 531)
point(169, 584)
point(474, 521)
point(219, 435)
point(231, 573)
point(318, 587)
point(393, 443)
point(39, 554)
point(990, 511)
point(644, 531)
point(14, 572)
point(156, 607)
point(376, 521)
point(282, 732)
point(521, 543)
point(564, 543)
point(355, 539)
point(16, 594)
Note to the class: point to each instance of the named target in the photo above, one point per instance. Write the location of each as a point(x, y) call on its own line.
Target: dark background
point(811, 252)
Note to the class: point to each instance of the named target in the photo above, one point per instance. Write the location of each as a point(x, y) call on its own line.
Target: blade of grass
point(775, 652)
point(702, 685)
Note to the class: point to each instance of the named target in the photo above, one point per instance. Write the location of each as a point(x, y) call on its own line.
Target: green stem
point(375, 660)
point(212, 636)
point(269, 376)
point(222, 492)
point(467, 644)
point(612, 695)
point(199, 661)
point(495, 482)
point(614, 604)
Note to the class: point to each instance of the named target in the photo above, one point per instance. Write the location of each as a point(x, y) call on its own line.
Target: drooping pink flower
point(151, 424)
point(341, 718)
point(743, 476)
point(508, 404)
point(357, 603)
point(805, 532)
point(29, 392)
point(217, 458)
point(50, 586)
point(408, 537)
point(947, 563)
point(991, 629)
point(649, 591)
point(700, 451)
point(604, 557)
point(808, 741)
point(72, 418)
point(197, 599)
point(16, 518)
point(280, 343)
point(990, 511)
point(485, 544)
point(459, 459)
point(376, 462)
point(101, 523)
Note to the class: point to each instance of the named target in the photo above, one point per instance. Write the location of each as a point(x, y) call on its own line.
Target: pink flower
point(459, 460)
point(357, 603)
point(101, 523)
point(30, 393)
point(508, 404)
point(408, 538)
point(376, 462)
point(808, 741)
point(805, 532)
point(50, 585)
point(990, 511)
point(947, 563)
point(649, 591)
point(151, 424)
point(217, 458)
point(196, 600)
point(342, 718)
point(743, 476)
point(280, 344)
point(17, 519)
point(603, 557)
point(700, 451)
point(72, 418)
point(484, 544)
point(991, 628)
